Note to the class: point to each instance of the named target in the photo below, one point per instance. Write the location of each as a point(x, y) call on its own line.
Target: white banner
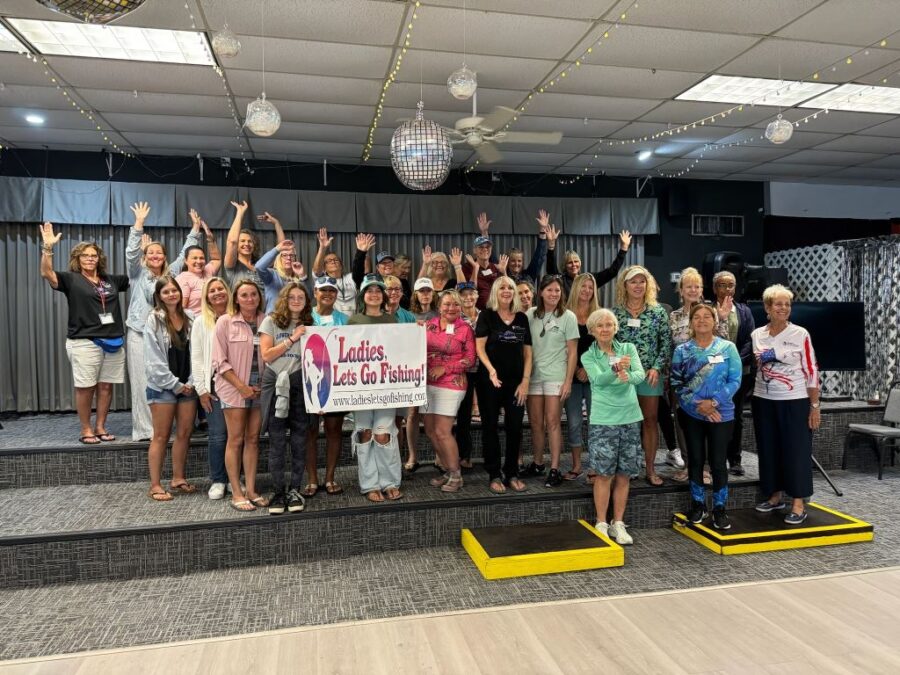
point(363, 367)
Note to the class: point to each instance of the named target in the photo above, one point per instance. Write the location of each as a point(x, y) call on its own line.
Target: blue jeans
point(581, 391)
point(218, 435)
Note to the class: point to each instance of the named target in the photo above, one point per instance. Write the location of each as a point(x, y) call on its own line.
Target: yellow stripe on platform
point(784, 544)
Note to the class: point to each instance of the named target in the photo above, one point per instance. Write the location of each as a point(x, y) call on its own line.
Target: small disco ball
point(779, 131)
point(225, 43)
point(421, 153)
point(462, 83)
point(93, 11)
point(263, 118)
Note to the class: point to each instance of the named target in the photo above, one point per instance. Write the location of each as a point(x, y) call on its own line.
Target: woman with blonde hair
point(279, 265)
point(436, 266)
point(645, 324)
point(215, 301)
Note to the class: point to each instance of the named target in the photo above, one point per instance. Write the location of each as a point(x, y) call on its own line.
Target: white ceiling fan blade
point(488, 154)
point(498, 118)
point(536, 137)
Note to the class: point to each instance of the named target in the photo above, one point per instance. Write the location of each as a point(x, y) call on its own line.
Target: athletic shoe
point(278, 504)
point(768, 507)
point(602, 528)
point(795, 518)
point(532, 470)
point(554, 479)
point(720, 519)
point(216, 491)
point(295, 501)
point(673, 458)
point(698, 513)
point(736, 470)
point(618, 533)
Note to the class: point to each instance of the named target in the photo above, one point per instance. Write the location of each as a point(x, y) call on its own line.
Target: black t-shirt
point(505, 344)
point(585, 340)
point(86, 306)
point(180, 357)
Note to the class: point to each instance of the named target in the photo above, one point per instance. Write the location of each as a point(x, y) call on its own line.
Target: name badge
point(717, 358)
point(106, 318)
point(634, 323)
point(256, 340)
point(487, 272)
point(614, 360)
point(450, 329)
point(326, 320)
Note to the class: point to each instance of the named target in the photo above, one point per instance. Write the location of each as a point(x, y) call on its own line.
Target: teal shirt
point(613, 402)
point(653, 337)
point(404, 316)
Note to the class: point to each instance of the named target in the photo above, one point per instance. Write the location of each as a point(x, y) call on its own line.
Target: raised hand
point(483, 223)
point(146, 240)
point(140, 210)
point(195, 217)
point(298, 333)
point(552, 234)
point(543, 219)
point(503, 262)
point(47, 237)
point(471, 260)
point(364, 242)
point(286, 246)
point(723, 309)
point(268, 218)
point(625, 239)
point(206, 230)
point(324, 239)
point(297, 269)
point(456, 256)
point(426, 255)
point(240, 206)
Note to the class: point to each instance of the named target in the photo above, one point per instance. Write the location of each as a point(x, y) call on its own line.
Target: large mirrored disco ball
point(93, 11)
point(421, 153)
point(263, 118)
point(779, 131)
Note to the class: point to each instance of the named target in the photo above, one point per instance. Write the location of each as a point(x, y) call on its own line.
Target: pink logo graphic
point(317, 365)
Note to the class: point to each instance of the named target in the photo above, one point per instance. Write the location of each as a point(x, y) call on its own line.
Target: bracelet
point(287, 344)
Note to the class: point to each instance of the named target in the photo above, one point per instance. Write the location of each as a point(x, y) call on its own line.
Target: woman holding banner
point(374, 433)
point(450, 353)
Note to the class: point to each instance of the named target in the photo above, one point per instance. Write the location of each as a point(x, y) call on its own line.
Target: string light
point(391, 77)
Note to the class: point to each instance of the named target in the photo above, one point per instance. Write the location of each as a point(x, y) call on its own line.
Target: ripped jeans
point(378, 464)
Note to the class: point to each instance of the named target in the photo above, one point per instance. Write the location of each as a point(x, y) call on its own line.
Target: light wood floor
point(835, 624)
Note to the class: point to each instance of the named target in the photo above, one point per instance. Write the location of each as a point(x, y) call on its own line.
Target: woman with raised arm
point(281, 402)
point(645, 324)
point(468, 296)
point(95, 335)
point(238, 366)
point(279, 266)
point(402, 270)
point(503, 345)
point(375, 434)
point(329, 264)
point(146, 261)
point(436, 266)
point(196, 270)
point(215, 302)
point(241, 250)
point(572, 262)
point(170, 387)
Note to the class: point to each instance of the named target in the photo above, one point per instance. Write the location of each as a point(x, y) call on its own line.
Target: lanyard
point(99, 288)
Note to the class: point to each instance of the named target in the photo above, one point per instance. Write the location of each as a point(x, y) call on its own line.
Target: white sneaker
point(673, 458)
point(619, 534)
point(217, 491)
point(602, 528)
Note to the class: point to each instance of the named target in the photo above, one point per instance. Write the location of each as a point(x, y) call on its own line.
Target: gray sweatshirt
point(156, 354)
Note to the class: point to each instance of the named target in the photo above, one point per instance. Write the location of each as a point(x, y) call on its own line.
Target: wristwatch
point(816, 405)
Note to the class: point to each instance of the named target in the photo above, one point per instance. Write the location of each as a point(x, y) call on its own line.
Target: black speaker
point(730, 261)
point(757, 278)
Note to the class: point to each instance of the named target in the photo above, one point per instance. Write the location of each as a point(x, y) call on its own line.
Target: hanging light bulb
point(462, 83)
point(263, 118)
point(225, 43)
point(779, 131)
point(421, 152)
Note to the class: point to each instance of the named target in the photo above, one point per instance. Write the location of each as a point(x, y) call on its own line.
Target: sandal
point(375, 496)
point(411, 468)
point(183, 488)
point(260, 501)
point(497, 487)
point(393, 494)
point(243, 505)
point(86, 440)
point(333, 487)
point(159, 495)
point(680, 476)
point(653, 480)
point(707, 477)
point(517, 484)
point(106, 437)
point(572, 475)
point(311, 489)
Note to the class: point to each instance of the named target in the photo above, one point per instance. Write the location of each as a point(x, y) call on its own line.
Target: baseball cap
point(482, 241)
point(326, 282)
point(423, 282)
point(635, 271)
point(381, 256)
point(465, 286)
point(371, 280)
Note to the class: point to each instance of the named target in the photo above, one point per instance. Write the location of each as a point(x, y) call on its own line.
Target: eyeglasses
point(725, 284)
point(332, 260)
point(394, 289)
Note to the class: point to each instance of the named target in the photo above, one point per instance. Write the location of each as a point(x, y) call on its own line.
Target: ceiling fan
point(481, 133)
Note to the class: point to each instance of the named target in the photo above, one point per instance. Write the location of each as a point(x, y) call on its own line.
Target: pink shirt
point(192, 285)
point(233, 349)
point(453, 351)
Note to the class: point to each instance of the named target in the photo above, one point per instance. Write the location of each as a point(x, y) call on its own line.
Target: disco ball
point(263, 118)
point(421, 153)
point(93, 11)
point(225, 43)
point(462, 83)
point(779, 131)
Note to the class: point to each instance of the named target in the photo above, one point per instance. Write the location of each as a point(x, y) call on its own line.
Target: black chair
point(883, 436)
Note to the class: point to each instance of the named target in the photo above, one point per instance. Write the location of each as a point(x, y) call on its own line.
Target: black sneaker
point(698, 513)
point(768, 507)
point(554, 478)
point(532, 470)
point(736, 470)
point(295, 501)
point(720, 519)
point(277, 504)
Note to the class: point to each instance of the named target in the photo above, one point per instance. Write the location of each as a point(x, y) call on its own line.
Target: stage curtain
point(211, 202)
point(160, 197)
point(75, 201)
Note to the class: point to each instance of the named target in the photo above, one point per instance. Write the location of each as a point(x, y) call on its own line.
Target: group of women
point(231, 344)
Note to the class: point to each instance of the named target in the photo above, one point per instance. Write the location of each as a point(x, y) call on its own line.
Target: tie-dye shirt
point(652, 336)
point(700, 374)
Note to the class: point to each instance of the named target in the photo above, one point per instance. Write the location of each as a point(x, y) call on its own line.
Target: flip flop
point(333, 488)
point(243, 505)
point(106, 437)
point(260, 502)
point(497, 487)
point(393, 494)
point(375, 496)
point(572, 475)
point(653, 483)
point(311, 489)
point(85, 441)
point(183, 488)
point(160, 496)
point(517, 485)
point(411, 468)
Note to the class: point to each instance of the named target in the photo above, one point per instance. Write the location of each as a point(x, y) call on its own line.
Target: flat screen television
point(837, 330)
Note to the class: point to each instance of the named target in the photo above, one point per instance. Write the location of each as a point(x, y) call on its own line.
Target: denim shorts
point(168, 396)
point(615, 449)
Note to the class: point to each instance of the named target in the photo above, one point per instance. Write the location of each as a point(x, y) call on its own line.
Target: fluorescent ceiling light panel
point(859, 98)
point(8, 41)
point(747, 90)
point(115, 42)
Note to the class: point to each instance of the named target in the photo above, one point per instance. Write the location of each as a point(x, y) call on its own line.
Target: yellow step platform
point(540, 548)
point(754, 532)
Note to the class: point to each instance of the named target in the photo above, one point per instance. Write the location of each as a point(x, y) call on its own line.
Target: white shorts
point(544, 388)
point(443, 401)
point(90, 364)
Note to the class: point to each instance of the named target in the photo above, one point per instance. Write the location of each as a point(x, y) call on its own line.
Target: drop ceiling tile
point(26, 96)
point(834, 157)
point(550, 159)
point(747, 177)
point(311, 58)
point(406, 95)
point(137, 75)
point(799, 139)
point(43, 136)
point(569, 9)
point(726, 16)
point(16, 70)
point(885, 125)
point(785, 169)
point(158, 104)
point(65, 118)
point(834, 122)
point(189, 143)
point(305, 87)
point(571, 128)
point(610, 162)
point(317, 112)
point(173, 124)
point(600, 107)
point(684, 112)
point(627, 82)
point(308, 148)
point(860, 143)
point(864, 172)
point(701, 134)
point(493, 72)
point(888, 162)
point(831, 22)
point(333, 133)
point(747, 154)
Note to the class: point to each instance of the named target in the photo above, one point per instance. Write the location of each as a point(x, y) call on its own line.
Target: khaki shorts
point(544, 388)
point(90, 364)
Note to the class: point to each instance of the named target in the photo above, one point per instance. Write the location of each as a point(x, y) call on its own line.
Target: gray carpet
point(69, 618)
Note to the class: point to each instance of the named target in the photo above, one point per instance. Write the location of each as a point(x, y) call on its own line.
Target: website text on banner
point(363, 367)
